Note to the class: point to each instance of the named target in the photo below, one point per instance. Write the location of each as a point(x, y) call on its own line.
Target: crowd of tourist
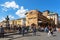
point(26, 29)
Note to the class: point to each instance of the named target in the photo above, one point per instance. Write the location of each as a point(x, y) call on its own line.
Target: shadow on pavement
point(28, 35)
point(8, 35)
point(54, 35)
point(15, 38)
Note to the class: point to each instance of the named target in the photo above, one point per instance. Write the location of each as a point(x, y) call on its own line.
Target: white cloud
point(11, 17)
point(11, 4)
point(21, 12)
point(2, 19)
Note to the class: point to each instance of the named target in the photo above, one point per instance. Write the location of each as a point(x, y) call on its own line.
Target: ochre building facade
point(41, 18)
point(36, 17)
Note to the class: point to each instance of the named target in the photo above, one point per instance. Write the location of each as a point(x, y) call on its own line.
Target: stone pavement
point(30, 36)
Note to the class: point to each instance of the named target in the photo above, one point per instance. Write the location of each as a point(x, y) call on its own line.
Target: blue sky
point(17, 8)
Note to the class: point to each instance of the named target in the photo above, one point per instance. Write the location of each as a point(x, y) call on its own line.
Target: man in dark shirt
point(1, 31)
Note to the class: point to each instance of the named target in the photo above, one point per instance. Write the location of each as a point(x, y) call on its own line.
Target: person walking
point(1, 31)
point(20, 29)
point(27, 28)
point(50, 31)
point(34, 29)
point(46, 29)
point(23, 29)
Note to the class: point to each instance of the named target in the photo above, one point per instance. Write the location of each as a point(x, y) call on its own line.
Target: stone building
point(21, 21)
point(12, 22)
point(31, 17)
point(53, 17)
point(18, 21)
point(41, 18)
point(45, 13)
point(3, 23)
point(36, 17)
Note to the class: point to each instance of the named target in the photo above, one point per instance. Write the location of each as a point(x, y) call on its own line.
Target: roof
point(21, 18)
point(33, 11)
point(53, 13)
point(46, 11)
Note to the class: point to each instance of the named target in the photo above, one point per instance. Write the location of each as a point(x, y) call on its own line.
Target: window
point(31, 12)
